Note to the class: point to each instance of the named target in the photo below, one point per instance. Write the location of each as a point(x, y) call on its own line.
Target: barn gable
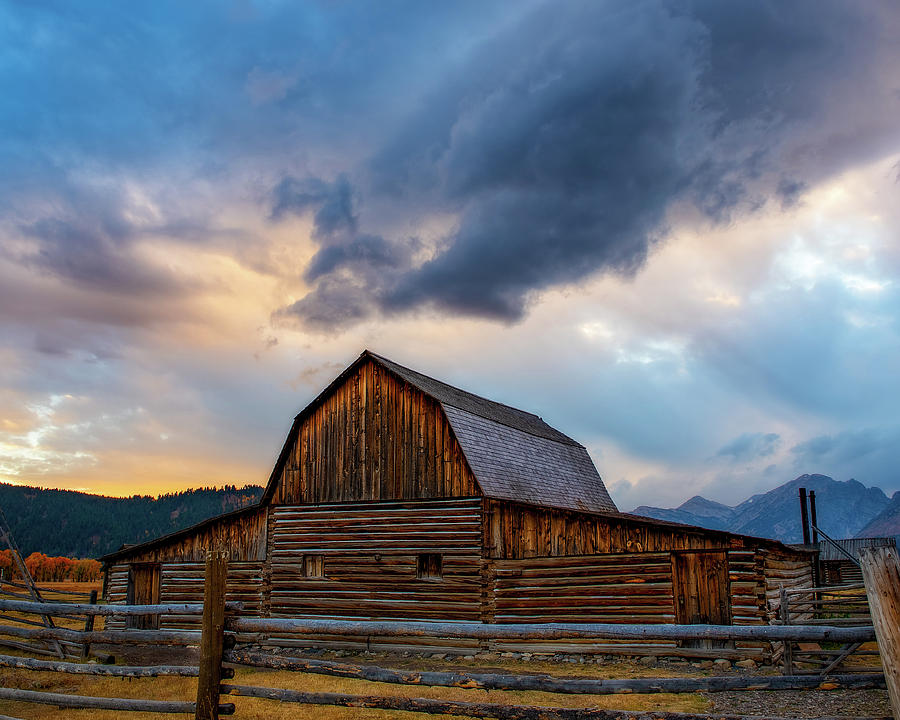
point(381, 431)
point(370, 436)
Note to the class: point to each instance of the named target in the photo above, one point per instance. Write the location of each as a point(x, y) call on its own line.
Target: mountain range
point(845, 509)
point(77, 524)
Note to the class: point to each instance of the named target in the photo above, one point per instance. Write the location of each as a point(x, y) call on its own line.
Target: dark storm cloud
point(350, 267)
point(750, 446)
point(561, 143)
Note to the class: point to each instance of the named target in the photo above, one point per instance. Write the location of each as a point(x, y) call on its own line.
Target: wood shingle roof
point(514, 454)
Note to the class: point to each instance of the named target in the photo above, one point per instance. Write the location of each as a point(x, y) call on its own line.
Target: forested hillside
point(74, 524)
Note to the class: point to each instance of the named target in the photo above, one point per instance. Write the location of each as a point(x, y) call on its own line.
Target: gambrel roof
point(513, 454)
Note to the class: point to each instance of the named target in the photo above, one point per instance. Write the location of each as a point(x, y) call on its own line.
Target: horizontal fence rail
point(63, 609)
point(131, 671)
point(551, 631)
point(106, 637)
point(105, 703)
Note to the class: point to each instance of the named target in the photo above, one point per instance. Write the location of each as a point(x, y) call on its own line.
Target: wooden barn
point(839, 559)
point(399, 497)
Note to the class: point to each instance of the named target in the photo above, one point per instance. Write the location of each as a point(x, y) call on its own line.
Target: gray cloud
point(564, 160)
point(845, 447)
point(350, 268)
point(750, 446)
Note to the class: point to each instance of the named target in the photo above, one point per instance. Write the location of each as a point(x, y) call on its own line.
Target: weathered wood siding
point(514, 531)
point(242, 534)
point(702, 589)
point(374, 438)
point(746, 571)
point(620, 587)
point(624, 587)
point(788, 571)
point(597, 588)
point(370, 557)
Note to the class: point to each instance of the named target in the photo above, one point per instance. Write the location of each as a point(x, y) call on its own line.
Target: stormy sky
point(672, 229)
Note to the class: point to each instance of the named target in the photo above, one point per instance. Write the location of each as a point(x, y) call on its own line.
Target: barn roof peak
point(513, 454)
point(492, 410)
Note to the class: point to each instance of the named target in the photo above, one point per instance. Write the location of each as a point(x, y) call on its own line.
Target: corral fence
point(229, 641)
point(836, 606)
point(37, 638)
point(16, 591)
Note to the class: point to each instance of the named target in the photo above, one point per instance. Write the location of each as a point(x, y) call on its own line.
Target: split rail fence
point(229, 641)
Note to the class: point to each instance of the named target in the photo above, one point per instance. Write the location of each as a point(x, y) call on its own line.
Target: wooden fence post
point(213, 635)
point(881, 573)
point(788, 651)
point(89, 626)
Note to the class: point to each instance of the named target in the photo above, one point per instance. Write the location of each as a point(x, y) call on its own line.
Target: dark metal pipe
point(812, 517)
point(804, 516)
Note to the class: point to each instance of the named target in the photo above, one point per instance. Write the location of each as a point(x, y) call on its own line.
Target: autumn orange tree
point(53, 569)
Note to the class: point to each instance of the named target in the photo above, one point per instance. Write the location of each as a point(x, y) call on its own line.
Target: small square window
point(430, 566)
point(314, 566)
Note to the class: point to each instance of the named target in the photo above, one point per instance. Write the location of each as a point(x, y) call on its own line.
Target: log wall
point(373, 438)
point(788, 571)
point(370, 560)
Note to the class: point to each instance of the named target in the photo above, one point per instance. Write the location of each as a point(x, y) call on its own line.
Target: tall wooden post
point(881, 573)
point(785, 613)
point(813, 518)
point(804, 516)
point(212, 637)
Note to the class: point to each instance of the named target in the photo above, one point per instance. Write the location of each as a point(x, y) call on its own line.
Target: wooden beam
point(25, 663)
point(211, 644)
point(784, 612)
point(104, 703)
point(881, 573)
point(42, 608)
point(112, 637)
point(472, 709)
point(549, 683)
point(550, 631)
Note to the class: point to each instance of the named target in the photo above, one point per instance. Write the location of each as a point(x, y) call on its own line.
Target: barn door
point(701, 590)
point(143, 589)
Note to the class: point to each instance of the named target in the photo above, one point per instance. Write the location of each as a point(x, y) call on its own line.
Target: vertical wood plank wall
point(374, 438)
point(514, 530)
